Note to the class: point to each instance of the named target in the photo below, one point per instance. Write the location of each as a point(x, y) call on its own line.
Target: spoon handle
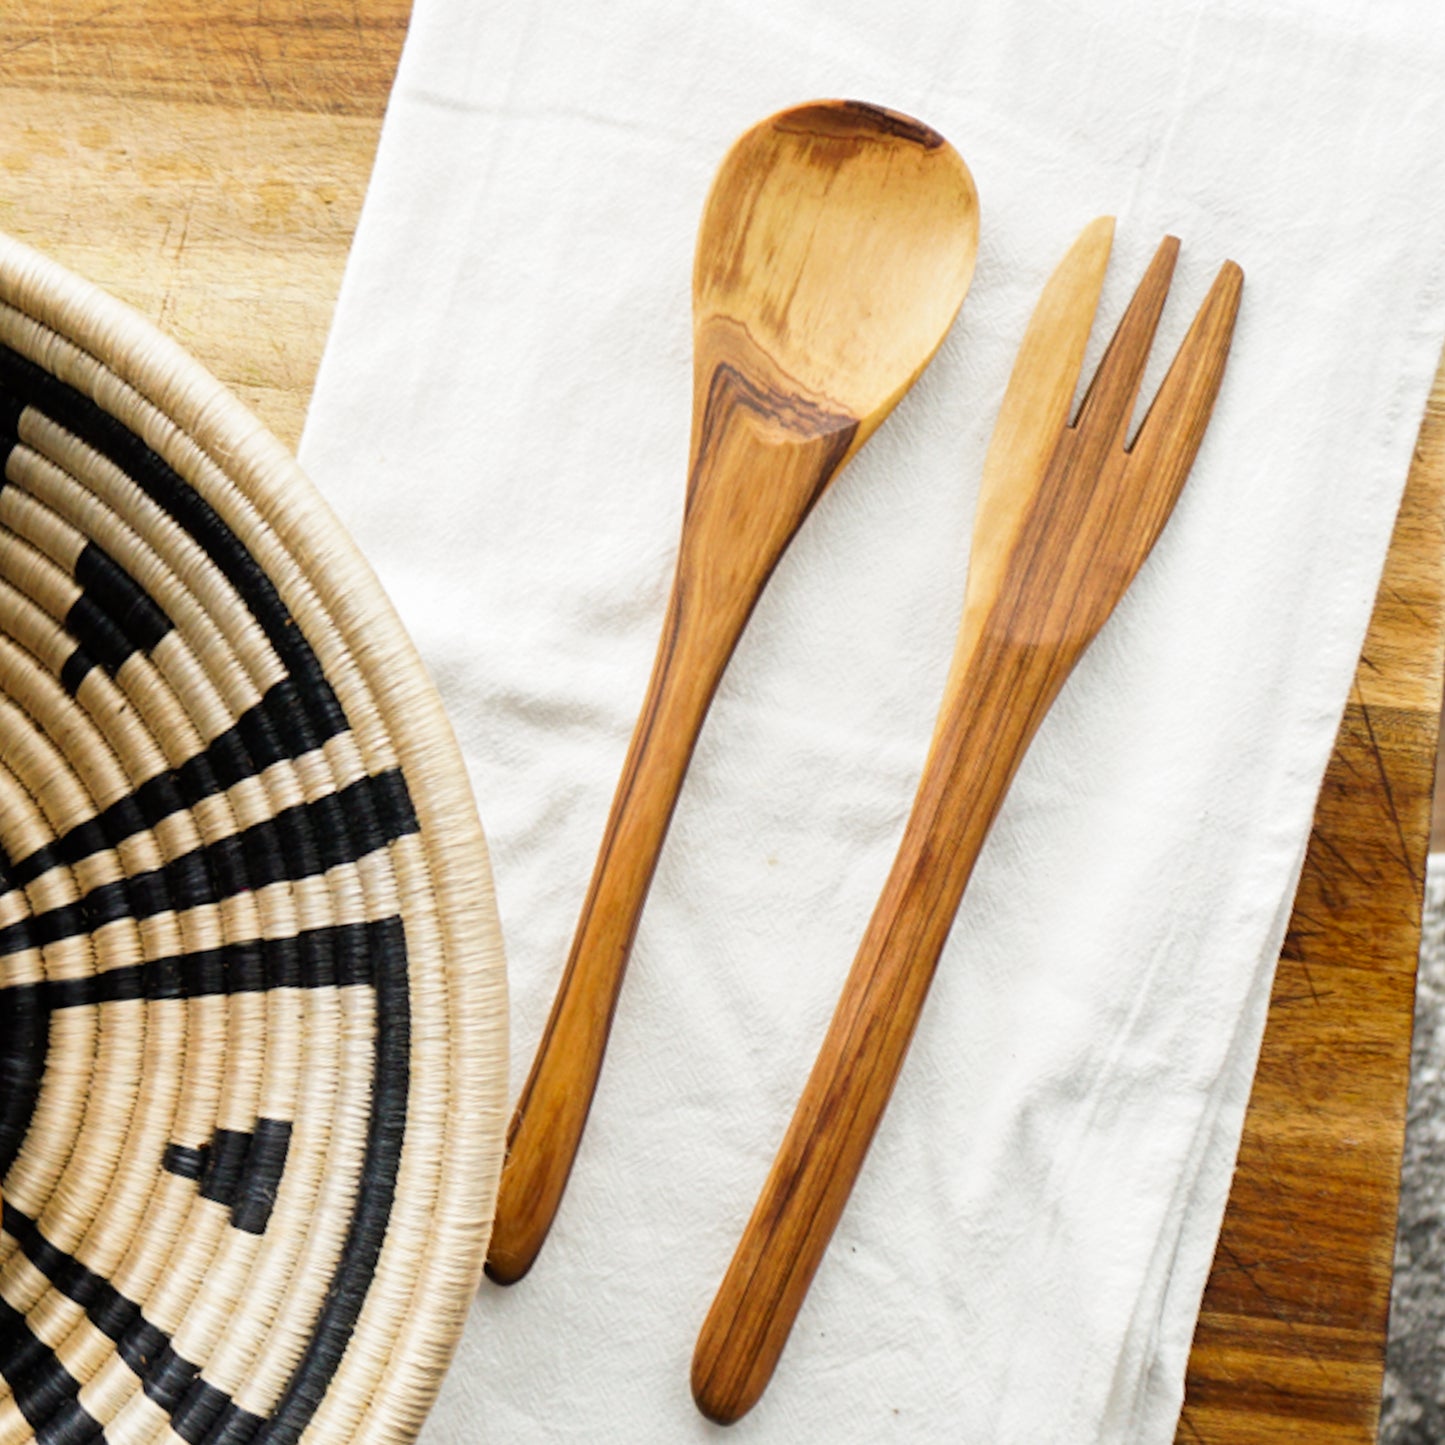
point(552, 1110)
point(728, 550)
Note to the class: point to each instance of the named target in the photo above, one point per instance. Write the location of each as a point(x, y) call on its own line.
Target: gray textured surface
point(1414, 1402)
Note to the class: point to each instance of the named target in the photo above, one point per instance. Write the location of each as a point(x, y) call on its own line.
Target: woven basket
point(252, 1003)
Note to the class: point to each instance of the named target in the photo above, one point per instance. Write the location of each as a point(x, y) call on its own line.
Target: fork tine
point(1174, 426)
point(1034, 412)
point(1109, 401)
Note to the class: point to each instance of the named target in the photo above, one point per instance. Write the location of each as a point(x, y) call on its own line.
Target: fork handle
point(981, 735)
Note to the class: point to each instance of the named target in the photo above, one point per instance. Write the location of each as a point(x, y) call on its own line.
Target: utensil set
point(836, 247)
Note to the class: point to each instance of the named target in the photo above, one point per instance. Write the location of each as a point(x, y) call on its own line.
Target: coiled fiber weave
point(252, 999)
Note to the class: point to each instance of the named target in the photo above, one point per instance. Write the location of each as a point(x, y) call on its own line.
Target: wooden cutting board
point(206, 160)
point(1290, 1342)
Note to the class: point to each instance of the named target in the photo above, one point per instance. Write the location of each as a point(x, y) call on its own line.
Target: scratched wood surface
point(206, 160)
point(1289, 1343)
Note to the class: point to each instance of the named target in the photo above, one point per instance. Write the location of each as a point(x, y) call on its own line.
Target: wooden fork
point(1066, 515)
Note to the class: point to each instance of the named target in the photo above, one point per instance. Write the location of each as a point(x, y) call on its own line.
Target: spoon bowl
point(841, 238)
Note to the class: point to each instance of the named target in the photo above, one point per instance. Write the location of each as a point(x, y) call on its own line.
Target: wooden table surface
point(206, 162)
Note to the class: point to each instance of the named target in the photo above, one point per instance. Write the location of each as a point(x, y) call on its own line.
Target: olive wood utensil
point(836, 247)
point(1066, 515)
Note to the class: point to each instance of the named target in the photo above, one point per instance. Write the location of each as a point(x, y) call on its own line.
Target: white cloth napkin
point(502, 419)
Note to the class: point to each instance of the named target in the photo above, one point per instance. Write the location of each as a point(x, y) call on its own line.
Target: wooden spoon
point(1066, 515)
point(835, 250)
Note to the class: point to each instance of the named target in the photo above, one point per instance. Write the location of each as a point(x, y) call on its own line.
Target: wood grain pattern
point(1062, 546)
point(206, 161)
point(836, 247)
point(1291, 1339)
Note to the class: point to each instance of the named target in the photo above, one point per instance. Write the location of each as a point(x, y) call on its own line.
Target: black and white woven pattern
point(252, 1015)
